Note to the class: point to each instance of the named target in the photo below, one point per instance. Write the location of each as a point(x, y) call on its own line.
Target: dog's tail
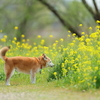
point(3, 52)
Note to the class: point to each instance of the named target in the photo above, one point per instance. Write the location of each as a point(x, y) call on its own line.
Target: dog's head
point(46, 61)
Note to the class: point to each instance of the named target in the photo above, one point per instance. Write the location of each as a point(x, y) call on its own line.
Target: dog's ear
point(44, 56)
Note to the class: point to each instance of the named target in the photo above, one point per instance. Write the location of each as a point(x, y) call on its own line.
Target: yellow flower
point(51, 36)
point(94, 80)
point(81, 38)
point(34, 43)
point(69, 31)
point(97, 21)
point(5, 36)
point(88, 84)
point(14, 42)
point(62, 65)
point(96, 68)
point(16, 27)
point(27, 40)
point(98, 27)
point(81, 81)
point(39, 36)
point(56, 41)
point(68, 35)
point(18, 43)
point(23, 40)
point(98, 43)
point(94, 35)
point(74, 34)
point(68, 68)
point(22, 35)
point(80, 25)
point(98, 48)
point(0, 30)
point(64, 71)
point(78, 70)
point(61, 39)
point(83, 33)
point(55, 73)
point(3, 40)
point(15, 38)
point(78, 77)
point(42, 42)
point(88, 40)
point(90, 28)
point(54, 44)
point(71, 44)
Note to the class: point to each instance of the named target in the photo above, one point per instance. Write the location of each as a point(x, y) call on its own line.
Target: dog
point(28, 65)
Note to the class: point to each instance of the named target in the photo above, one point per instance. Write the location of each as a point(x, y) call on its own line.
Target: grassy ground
point(23, 90)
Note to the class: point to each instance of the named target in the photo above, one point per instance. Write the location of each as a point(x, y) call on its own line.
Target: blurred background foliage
point(46, 17)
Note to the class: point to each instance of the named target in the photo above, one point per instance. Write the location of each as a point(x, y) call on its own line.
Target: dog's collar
point(41, 69)
point(40, 66)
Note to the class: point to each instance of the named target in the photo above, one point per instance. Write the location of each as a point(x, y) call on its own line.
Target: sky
point(91, 3)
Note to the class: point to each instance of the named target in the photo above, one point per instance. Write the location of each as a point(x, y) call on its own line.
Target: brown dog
point(28, 65)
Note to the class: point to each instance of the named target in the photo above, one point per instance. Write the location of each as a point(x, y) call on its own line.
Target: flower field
point(77, 63)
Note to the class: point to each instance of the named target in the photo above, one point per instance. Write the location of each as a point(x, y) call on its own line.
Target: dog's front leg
point(33, 77)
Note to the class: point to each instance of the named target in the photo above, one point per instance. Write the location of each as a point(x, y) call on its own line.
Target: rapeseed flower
point(80, 25)
point(83, 33)
point(61, 39)
point(90, 28)
point(3, 40)
point(39, 36)
point(42, 42)
point(5, 36)
point(15, 38)
point(16, 27)
point(0, 31)
point(98, 21)
point(22, 35)
point(23, 40)
point(50, 36)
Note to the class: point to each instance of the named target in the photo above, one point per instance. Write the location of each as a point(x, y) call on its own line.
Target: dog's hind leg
point(9, 73)
point(33, 77)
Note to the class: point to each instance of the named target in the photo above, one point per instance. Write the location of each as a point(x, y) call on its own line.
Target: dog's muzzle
point(52, 65)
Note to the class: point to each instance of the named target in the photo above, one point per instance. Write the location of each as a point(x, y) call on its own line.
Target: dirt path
point(47, 94)
point(44, 91)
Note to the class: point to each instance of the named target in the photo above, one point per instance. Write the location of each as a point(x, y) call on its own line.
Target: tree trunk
point(96, 14)
point(65, 24)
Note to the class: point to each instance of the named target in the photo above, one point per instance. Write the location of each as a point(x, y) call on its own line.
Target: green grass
point(22, 89)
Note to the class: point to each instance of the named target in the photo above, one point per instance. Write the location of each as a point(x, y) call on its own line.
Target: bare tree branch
point(95, 5)
point(54, 11)
point(88, 7)
point(96, 15)
point(97, 11)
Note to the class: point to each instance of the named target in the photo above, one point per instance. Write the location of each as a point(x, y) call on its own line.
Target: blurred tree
point(29, 15)
point(26, 15)
point(62, 20)
point(95, 14)
point(79, 9)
